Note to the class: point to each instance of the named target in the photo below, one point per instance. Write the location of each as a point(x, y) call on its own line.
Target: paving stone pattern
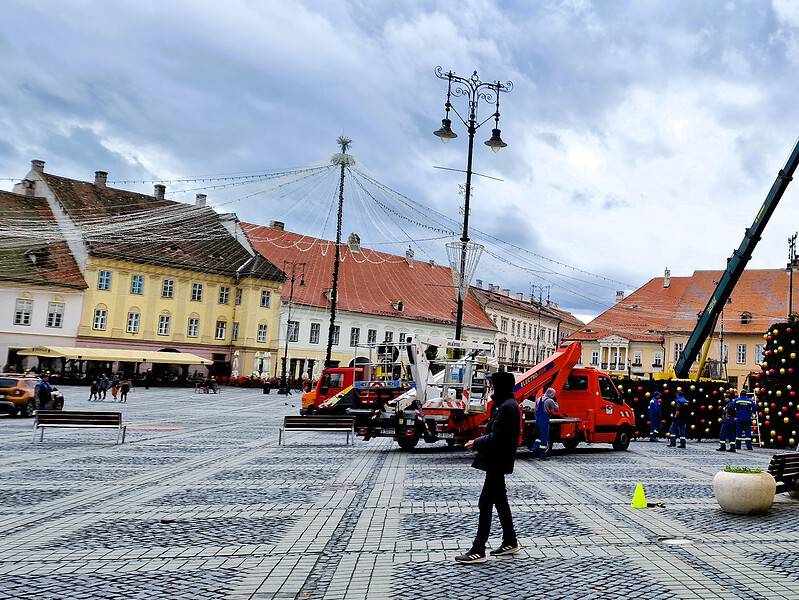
point(200, 502)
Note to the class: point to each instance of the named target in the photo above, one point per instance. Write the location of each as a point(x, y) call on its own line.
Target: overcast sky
point(640, 134)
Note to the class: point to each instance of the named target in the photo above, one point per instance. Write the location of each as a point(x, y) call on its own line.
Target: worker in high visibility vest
point(545, 407)
point(679, 420)
point(744, 409)
point(727, 433)
point(655, 416)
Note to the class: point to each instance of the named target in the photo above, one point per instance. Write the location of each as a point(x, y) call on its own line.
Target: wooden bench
point(785, 469)
point(318, 423)
point(78, 419)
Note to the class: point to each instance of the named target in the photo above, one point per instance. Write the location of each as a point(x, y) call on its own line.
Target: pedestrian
point(496, 452)
point(43, 393)
point(744, 409)
point(678, 422)
point(93, 390)
point(115, 387)
point(655, 415)
point(545, 407)
point(124, 388)
point(727, 433)
point(148, 375)
point(103, 385)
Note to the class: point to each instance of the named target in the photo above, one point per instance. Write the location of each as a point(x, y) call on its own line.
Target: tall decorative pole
point(474, 91)
point(344, 160)
point(295, 266)
point(791, 267)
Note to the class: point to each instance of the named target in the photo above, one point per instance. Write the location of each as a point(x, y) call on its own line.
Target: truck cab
point(333, 381)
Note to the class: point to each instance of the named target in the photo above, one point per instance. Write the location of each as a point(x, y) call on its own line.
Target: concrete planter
point(744, 493)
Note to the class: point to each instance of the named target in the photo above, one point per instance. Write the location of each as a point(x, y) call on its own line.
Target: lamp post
point(474, 91)
point(295, 268)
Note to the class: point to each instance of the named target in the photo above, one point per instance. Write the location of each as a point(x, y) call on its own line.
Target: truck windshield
point(332, 380)
point(609, 391)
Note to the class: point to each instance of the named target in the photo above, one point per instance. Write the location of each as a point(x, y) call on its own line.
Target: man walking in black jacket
point(496, 452)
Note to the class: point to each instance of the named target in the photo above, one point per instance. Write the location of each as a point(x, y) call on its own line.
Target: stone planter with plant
point(744, 491)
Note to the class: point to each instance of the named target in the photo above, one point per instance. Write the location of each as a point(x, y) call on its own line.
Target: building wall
point(37, 333)
point(119, 301)
point(343, 352)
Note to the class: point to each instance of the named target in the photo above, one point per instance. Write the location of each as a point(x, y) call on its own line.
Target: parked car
point(17, 395)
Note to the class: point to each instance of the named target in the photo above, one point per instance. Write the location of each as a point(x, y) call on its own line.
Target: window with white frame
point(355, 336)
point(725, 352)
point(402, 337)
point(234, 331)
point(759, 352)
point(104, 280)
point(658, 360)
point(197, 292)
point(221, 330)
point(164, 324)
point(594, 357)
point(503, 325)
point(55, 314)
point(262, 332)
point(336, 334)
point(100, 319)
point(677, 351)
point(224, 294)
point(137, 284)
point(193, 329)
point(134, 319)
point(316, 328)
point(371, 336)
point(168, 288)
point(237, 296)
point(294, 331)
point(741, 354)
point(503, 349)
point(637, 357)
point(266, 298)
point(389, 337)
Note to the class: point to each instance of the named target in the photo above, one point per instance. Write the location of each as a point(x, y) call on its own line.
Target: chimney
point(506, 292)
point(159, 190)
point(619, 295)
point(199, 200)
point(100, 178)
point(409, 256)
point(666, 278)
point(478, 283)
point(280, 225)
point(30, 187)
point(520, 296)
point(37, 166)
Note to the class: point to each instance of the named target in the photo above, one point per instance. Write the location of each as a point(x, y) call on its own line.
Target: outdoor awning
point(116, 354)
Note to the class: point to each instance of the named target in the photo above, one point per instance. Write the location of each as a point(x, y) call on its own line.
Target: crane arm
point(735, 267)
point(552, 372)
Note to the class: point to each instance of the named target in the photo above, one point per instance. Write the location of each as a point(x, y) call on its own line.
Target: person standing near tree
point(678, 422)
point(43, 393)
point(496, 453)
point(655, 416)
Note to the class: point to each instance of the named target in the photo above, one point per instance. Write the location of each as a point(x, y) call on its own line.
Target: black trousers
point(494, 494)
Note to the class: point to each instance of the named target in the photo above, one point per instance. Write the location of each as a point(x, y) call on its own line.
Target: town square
point(399, 300)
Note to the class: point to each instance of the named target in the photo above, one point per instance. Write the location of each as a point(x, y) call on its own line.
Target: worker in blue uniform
point(545, 407)
point(727, 433)
point(655, 416)
point(744, 409)
point(678, 422)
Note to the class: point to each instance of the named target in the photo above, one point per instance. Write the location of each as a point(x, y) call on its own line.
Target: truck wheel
point(622, 441)
point(571, 444)
point(408, 443)
point(27, 410)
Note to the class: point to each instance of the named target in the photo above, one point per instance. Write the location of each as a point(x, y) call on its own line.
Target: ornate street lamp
point(475, 92)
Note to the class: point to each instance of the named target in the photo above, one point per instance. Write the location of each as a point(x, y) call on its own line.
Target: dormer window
point(398, 305)
point(329, 294)
point(746, 317)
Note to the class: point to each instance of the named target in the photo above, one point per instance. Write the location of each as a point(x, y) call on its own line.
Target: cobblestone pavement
point(200, 502)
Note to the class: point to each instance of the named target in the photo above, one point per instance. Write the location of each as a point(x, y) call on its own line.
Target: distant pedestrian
point(43, 393)
point(679, 421)
point(124, 388)
point(744, 411)
point(148, 376)
point(94, 391)
point(655, 416)
point(496, 452)
point(727, 432)
point(103, 385)
point(545, 407)
point(115, 387)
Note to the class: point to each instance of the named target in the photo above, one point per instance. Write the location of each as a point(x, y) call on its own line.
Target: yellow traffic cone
point(639, 497)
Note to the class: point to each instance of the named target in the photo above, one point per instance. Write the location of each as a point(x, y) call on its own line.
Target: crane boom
point(735, 267)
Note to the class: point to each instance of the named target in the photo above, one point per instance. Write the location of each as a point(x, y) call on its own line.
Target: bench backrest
point(290, 422)
point(785, 469)
point(74, 417)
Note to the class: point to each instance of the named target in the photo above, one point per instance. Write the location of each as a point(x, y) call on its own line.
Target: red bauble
point(788, 330)
point(773, 405)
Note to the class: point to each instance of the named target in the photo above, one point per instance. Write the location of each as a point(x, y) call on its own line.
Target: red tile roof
point(369, 281)
point(652, 310)
point(527, 306)
point(41, 259)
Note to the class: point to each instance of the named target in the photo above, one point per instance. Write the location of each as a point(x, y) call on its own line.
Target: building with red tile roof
point(645, 332)
point(381, 296)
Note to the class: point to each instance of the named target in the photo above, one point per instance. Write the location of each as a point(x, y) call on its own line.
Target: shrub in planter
point(744, 491)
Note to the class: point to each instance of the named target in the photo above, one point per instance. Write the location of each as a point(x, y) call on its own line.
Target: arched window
point(746, 317)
